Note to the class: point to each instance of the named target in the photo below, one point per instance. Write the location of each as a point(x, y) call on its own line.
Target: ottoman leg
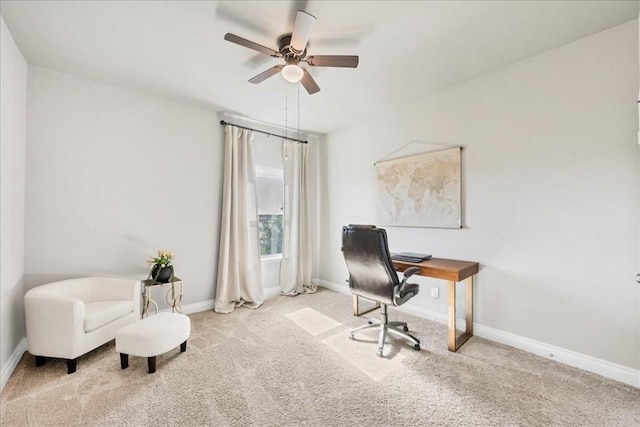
point(40, 360)
point(124, 360)
point(183, 347)
point(71, 365)
point(152, 364)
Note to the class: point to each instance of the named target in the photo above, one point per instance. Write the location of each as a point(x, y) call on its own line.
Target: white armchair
point(69, 318)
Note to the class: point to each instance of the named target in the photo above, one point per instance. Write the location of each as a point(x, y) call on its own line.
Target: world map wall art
point(422, 190)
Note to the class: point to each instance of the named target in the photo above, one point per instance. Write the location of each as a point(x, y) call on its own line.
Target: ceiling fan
point(292, 47)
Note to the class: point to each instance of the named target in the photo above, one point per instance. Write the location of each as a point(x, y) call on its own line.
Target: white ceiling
point(407, 49)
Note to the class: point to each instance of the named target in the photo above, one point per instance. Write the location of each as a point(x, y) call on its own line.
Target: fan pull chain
point(286, 119)
point(298, 110)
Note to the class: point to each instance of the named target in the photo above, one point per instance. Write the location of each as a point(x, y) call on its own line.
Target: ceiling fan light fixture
point(292, 73)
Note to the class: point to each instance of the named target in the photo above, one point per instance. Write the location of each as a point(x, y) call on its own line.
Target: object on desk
point(415, 255)
point(410, 257)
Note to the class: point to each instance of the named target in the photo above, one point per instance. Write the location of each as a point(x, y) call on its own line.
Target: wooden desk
point(452, 271)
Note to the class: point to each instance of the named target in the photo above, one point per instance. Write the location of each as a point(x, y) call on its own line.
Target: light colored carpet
point(291, 363)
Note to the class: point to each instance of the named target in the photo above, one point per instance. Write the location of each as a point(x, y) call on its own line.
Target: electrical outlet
point(435, 292)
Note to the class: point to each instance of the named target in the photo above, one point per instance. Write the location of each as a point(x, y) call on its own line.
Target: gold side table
point(172, 297)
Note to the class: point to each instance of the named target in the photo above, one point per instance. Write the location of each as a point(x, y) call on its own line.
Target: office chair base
point(395, 324)
point(398, 329)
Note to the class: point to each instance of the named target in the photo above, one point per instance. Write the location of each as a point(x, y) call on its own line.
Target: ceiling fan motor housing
point(284, 47)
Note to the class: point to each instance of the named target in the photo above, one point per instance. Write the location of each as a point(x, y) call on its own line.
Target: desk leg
point(451, 333)
point(454, 342)
point(356, 307)
point(469, 306)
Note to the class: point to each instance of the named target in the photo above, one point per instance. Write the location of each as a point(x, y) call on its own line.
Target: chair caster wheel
point(406, 328)
point(351, 337)
point(370, 322)
point(379, 354)
point(416, 347)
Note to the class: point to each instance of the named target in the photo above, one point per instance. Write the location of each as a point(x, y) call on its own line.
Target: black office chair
point(372, 276)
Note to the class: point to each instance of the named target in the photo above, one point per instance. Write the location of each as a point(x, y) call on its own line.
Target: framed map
point(420, 191)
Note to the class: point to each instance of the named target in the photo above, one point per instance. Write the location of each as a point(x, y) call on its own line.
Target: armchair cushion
point(98, 314)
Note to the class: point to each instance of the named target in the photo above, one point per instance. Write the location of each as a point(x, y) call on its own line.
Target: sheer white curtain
point(295, 269)
point(239, 269)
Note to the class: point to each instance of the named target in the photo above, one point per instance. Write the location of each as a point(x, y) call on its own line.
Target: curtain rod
point(222, 122)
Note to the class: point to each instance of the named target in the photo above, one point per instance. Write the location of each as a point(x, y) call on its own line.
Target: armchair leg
point(152, 364)
point(124, 360)
point(40, 360)
point(183, 347)
point(71, 365)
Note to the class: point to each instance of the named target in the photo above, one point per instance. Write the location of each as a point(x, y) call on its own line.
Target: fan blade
point(251, 45)
point(266, 74)
point(256, 61)
point(301, 31)
point(309, 84)
point(349, 61)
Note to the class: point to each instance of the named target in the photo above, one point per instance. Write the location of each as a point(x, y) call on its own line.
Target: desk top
point(440, 268)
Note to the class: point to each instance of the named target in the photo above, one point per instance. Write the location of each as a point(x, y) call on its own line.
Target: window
point(270, 195)
point(270, 234)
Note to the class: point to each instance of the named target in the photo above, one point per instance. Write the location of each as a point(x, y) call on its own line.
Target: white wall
point(13, 94)
point(113, 176)
point(550, 189)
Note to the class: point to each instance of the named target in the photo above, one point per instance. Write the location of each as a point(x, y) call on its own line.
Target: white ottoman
point(152, 336)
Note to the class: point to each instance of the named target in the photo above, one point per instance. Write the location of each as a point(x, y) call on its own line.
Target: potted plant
point(162, 270)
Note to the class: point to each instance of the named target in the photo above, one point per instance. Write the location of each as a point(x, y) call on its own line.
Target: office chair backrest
point(366, 252)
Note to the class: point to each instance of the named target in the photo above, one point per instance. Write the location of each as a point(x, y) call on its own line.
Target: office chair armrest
point(407, 273)
point(410, 272)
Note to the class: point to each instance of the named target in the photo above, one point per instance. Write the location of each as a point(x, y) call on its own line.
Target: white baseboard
point(197, 307)
point(11, 365)
point(602, 367)
point(605, 368)
point(343, 289)
point(406, 308)
point(271, 292)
